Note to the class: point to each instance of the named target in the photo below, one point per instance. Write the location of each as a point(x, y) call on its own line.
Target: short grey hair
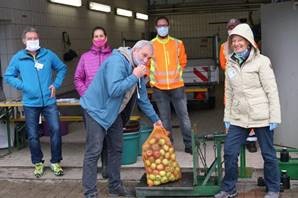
point(29, 29)
point(142, 43)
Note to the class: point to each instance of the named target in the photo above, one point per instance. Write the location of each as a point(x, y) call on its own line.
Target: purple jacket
point(87, 67)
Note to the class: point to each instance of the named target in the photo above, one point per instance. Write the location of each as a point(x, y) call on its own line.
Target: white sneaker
point(272, 195)
point(223, 194)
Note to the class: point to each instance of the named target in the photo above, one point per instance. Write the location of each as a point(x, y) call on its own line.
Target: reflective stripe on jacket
point(167, 64)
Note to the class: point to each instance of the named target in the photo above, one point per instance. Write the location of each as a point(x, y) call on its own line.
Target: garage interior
point(274, 22)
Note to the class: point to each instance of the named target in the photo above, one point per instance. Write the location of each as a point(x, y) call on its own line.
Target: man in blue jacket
point(107, 104)
point(30, 71)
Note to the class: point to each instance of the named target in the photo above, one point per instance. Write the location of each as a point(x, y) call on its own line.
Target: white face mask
point(32, 45)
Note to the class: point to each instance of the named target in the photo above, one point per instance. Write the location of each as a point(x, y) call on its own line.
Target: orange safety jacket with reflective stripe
point(223, 55)
point(167, 64)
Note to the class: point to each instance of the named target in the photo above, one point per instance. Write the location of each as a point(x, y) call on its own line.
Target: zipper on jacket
point(243, 93)
point(42, 99)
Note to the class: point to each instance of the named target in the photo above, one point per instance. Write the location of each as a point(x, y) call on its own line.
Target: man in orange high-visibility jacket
point(165, 73)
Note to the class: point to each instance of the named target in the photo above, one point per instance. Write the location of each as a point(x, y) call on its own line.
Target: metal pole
point(242, 162)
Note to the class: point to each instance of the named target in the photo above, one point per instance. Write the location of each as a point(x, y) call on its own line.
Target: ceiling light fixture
point(76, 3)
point(142, 16)
point(99, 7)
point(123, 12)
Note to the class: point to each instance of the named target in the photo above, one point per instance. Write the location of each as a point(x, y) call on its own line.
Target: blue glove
point(227, 124)
point(273, 126)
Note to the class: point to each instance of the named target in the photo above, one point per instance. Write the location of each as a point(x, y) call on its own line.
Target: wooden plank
point(69, 118)
point(187, 90)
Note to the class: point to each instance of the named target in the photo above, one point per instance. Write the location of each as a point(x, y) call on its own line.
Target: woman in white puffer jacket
point(252, 101)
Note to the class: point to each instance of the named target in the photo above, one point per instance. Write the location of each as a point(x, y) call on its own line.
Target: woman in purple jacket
point(91, 60)
point(87, 67)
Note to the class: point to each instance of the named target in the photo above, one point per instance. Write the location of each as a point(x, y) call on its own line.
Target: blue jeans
point(235, 138)
point(51, 116)
point(177, 96)
point(93, 148)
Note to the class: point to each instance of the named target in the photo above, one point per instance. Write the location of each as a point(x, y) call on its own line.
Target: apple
point(149, 153)
point(173, 156)
point(172, 178)
point(167, 155)
point(162, 173)
point(164, 180)
point(155, 147)
point(165, 162)
point(166, 147)
point(171, 150)
point(153, 166)
point(152, 177)
point(151, 159)
point(147, 163)
point(160, 167)
point(148, 170)
point(156, 154)
point(168, 174)
point(155, 172)
point(150, 182)
point(157, 177)
point(161, 141)
point(168, 169)
point(157, 161)
point(162, 152)
point(152, 141)
point(145, 147)
point(156, 182)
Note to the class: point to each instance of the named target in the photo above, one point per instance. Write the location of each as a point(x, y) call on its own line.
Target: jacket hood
point(244, 31)
point(127, 53)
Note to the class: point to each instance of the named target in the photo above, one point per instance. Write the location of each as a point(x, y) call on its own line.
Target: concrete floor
point(17, 180)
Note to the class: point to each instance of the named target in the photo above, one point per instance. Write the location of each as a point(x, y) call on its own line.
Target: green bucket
point(130, 148)
point(144, 134)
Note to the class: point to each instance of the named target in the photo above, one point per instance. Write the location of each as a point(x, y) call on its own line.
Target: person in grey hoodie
point(107, 104)
point(252, 101)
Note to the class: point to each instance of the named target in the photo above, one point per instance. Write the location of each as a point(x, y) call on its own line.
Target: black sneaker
point(120, 192)
point(188, 150)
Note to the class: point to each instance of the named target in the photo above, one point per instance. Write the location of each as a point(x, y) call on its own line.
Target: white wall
point(53, 19)
point(280, 43)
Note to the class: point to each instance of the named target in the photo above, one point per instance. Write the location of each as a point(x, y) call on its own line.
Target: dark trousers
point(94, 144)
point(177, 97)
point(235, 138)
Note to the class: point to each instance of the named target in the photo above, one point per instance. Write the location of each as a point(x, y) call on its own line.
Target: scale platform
point(181, 188)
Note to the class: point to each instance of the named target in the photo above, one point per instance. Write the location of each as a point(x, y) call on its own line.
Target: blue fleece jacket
point(33, 76)
point(105, 94)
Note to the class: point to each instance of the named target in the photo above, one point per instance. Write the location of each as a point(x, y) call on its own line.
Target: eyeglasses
point(162, 25)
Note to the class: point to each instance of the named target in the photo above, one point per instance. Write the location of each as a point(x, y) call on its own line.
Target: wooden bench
point(20, 133)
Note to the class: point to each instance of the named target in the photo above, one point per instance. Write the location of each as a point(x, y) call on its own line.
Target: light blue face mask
point(163, 31)
point(242, 54)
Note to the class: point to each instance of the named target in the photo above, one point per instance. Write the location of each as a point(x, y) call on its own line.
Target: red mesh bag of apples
point(159, 158)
